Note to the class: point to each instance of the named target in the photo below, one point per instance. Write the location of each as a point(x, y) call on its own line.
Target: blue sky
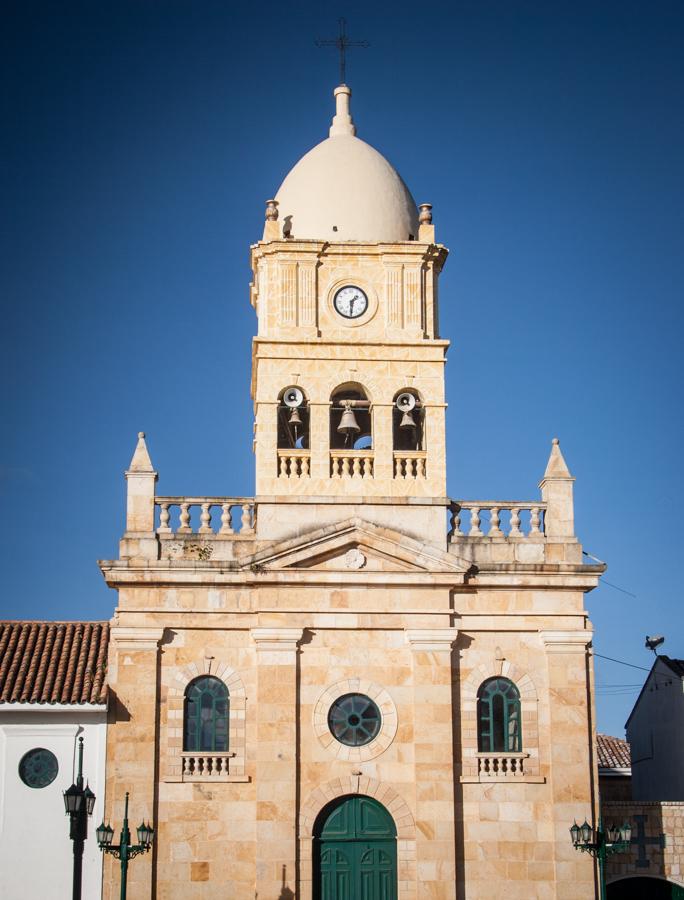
point(140, 141)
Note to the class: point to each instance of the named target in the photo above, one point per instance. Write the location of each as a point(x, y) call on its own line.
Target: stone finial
point(426, 230)
point(141, 461)
point(557, 493)
point(271, 230)
point(271, 210)
point(425, 213)
point(342, 122)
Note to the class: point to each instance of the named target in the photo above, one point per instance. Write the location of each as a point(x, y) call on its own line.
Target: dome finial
point(342, 122)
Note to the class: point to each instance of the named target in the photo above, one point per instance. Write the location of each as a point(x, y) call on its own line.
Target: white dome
point(344, 190)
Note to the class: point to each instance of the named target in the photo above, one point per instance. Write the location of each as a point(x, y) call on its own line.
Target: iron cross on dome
point(342, 43)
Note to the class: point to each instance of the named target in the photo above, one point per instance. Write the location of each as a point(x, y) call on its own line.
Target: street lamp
point(124, 850)
point(601, 843)
point(79, 803)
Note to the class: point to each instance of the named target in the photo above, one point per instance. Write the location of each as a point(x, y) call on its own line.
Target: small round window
point(354, 720)
point(38, 768)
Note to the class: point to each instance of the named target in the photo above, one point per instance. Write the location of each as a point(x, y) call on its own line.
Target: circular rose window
point(354, 720)
point(38, 768)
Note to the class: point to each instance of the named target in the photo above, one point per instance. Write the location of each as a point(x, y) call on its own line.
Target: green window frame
point(499, 726)
point(206, 715)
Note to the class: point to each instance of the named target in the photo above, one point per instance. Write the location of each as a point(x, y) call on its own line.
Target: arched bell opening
point(351, 425)
point(293, 433)
point(293, 419)
point(354, 850)
point(407, 421)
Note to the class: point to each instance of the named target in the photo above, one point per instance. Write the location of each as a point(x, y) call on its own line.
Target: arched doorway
point(642, 888)
point(355, 851)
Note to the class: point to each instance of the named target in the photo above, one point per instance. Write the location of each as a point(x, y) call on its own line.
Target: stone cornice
point(165, 573)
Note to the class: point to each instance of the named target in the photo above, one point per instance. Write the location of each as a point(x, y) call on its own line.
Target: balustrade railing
point(199, 766)
point(224, 516)
point(501, 765)
point(410, 464)
point(294, 463)
point(351, 463)
point(496, 519)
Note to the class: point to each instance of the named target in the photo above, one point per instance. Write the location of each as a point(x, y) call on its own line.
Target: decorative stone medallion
point(38, 768)
point(354, 559)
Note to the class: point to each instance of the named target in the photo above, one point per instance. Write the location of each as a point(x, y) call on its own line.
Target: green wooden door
point(355, 854)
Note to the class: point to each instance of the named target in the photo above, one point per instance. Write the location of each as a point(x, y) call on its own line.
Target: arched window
point(498, 717)
point(293, 419)
point(407, 421)
point(350, 419)
point(205, 715)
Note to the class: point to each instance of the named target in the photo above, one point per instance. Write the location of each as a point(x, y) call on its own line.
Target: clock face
point(350, 302)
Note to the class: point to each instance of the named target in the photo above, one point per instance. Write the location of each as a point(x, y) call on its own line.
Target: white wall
point(655, 732)
point(36, 854)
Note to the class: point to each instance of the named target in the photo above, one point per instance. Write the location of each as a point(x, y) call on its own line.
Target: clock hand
point(351, 304)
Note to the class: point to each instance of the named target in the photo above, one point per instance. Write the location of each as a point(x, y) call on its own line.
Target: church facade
point(350, 686)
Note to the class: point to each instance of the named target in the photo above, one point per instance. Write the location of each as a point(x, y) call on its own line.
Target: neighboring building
point(653, 869)
point(614, 768)
point(655, 730)
point(52, 691)
point(320, 687)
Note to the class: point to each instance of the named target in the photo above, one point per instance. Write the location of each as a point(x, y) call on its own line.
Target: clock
point(350, 301)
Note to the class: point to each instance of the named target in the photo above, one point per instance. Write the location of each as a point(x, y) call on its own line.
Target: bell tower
point(348, 365)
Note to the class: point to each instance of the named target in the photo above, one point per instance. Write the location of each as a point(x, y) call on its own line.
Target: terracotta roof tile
point(53, 662)
point(613, 753)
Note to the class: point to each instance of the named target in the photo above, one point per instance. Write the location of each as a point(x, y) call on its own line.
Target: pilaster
point(277, 750)
point(434, 761)
point(570, 746)
point(131, 745)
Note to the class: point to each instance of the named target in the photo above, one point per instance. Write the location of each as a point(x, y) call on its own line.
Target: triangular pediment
point(356, 545)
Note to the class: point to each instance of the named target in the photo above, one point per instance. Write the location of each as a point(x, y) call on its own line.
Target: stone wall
point(647, 856)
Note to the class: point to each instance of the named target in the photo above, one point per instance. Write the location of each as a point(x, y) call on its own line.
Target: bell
point(407, 421)
point(348, 421)
point(295, 418)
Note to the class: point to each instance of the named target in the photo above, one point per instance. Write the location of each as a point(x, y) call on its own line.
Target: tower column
point(276, 763)
point(383, 450)
point(319, 440)
point(434, 761)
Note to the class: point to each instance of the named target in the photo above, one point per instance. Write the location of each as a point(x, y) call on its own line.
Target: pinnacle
point(141, 461)
point(556, 466)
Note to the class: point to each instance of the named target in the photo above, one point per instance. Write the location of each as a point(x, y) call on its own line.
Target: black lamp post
point(124, 850)
point(79, 803)
point(601, 843)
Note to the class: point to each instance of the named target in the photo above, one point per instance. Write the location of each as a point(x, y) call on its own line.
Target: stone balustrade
point(496, 519)
point(222, 516)
point(501, 766)
point(294, 463)
point(411, 464)
point(205, 766)
point(351, 464)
